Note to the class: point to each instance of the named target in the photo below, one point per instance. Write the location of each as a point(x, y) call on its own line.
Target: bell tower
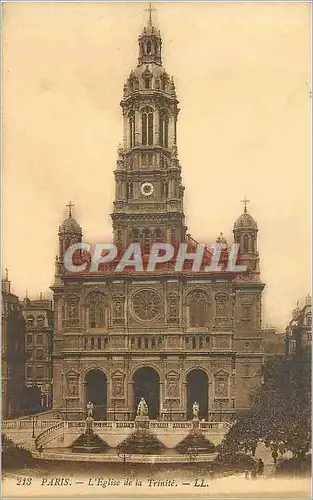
point(148, 204)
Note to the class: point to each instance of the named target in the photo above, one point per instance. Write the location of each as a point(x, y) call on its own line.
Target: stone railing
point(48, 434)
point(52, 428)
point(28, 424)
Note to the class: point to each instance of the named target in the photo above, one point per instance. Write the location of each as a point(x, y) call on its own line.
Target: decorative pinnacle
point(70, 205)
point(245, 201)
point(150, 9)
point(6, 274)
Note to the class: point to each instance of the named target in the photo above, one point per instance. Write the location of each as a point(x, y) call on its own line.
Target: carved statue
point(195, 410)
point(89, 409)
point(142, 410)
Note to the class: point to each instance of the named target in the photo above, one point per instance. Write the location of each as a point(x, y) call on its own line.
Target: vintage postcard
point(156, 300)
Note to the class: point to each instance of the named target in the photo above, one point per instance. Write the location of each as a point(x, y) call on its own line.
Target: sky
point(242, 75)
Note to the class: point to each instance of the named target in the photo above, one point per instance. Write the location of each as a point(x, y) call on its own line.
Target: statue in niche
point(72, 388)
point(90, 409)
point(195, 410)
point(142, 410)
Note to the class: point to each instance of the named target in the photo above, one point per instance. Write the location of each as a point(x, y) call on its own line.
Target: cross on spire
point(150, 9)
point(70, 205)
point(245, 201)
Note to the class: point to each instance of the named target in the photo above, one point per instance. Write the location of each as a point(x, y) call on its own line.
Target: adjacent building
point(273, 342)
point(38, 316)
point(172, 337)
point(13, 353)
point(298, 335)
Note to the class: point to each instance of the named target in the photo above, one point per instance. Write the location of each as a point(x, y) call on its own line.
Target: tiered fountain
point(89, 441)
point(141, 441)
point(195, 442)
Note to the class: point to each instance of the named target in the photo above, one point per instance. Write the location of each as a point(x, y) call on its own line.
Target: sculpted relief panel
point(172, 385)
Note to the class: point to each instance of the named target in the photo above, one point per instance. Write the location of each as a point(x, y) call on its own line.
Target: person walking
point(260, 468)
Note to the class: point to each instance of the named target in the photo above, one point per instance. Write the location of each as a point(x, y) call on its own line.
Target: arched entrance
point(146, 384)
point(96, 392)
point(197, 391)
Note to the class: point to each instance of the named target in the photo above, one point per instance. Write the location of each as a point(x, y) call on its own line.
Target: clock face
point(147, 189)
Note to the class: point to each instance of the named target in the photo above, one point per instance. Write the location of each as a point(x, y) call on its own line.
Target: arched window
point(194, 344)
point(99, 342)
point(135, 235)
point(85, 342)
point(97, 311)
point(146, 343)
point(92, 343)
point(149, 48)
point(147, 126)
point(131, 123)
point(246, 243)
point(163, 129)
point(198, 309)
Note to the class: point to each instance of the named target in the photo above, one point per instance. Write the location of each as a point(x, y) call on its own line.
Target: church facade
point(171, 337)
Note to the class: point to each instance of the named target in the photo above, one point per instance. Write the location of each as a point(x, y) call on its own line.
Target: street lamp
point(121, 452)
point(34, 417)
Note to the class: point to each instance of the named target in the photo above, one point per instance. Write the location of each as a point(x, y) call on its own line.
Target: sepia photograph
point(156, 249)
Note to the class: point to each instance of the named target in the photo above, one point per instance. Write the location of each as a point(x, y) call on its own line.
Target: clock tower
point(148, 204)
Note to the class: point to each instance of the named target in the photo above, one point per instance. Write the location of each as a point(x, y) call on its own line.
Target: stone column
point(126, 144)
point(137, 128)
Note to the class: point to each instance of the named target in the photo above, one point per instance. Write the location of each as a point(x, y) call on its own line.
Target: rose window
point(146, 305)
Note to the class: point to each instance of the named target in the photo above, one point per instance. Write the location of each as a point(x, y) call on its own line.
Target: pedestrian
point(254, 472)
point(275, 456)
point(260, 468)
point(246, 474)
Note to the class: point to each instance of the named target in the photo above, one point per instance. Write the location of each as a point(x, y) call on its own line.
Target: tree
point(279, 413)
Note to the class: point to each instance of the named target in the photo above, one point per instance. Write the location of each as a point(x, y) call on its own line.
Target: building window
point(153, 342)
point(30, 321)
point(147, 126)
point(29, 371)
point(40, 321)
point(39, 339)
point(194, 343)
point(29, 338)
point(39, 354)
point(85, 343)
point(246, 370)
point(198, 309)
point(92, 343)
point(97, 311)
point(40, 371)
point(99, 342)
point(149, 48)
point(246, 243)
point(163, 129)
point(146, 343)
